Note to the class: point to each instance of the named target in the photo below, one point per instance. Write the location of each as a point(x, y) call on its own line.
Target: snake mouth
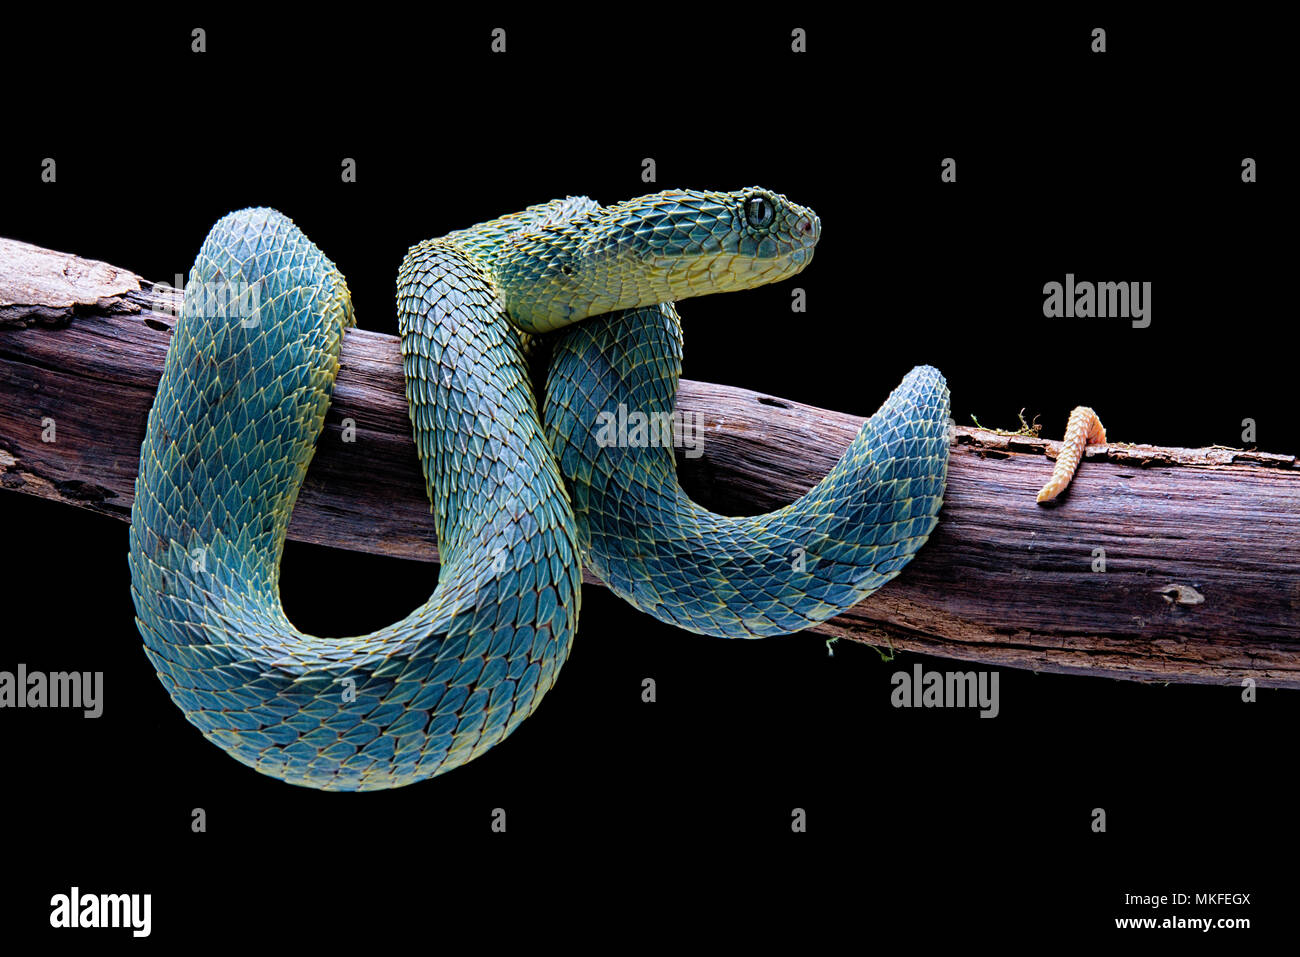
point(782, 266)
point(687, 276)
point(801, 257)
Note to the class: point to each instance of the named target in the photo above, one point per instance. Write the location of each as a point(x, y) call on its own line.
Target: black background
point(1122, 166)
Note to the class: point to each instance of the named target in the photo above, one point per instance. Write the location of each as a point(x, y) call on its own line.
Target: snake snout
point(808, 229)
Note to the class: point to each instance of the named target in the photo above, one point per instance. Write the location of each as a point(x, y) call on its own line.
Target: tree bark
point(1158, 564)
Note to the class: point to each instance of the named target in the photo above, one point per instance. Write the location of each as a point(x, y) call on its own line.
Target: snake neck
point(672, 245)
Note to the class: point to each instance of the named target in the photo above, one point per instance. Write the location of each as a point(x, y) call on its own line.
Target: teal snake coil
point(521, 493)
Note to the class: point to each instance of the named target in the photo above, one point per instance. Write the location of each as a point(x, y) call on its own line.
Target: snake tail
point(1082, 429)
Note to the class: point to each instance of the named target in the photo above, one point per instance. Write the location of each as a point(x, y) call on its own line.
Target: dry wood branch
point(1202, 546)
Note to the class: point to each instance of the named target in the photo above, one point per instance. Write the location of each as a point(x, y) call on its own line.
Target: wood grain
point(1201, 546)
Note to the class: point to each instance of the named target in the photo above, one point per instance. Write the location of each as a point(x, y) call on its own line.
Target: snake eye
point(758, 210)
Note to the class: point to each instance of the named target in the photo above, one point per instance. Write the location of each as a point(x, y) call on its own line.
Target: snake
point(522, 493)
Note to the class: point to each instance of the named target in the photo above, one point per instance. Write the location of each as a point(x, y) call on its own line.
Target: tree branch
point(1201, 579)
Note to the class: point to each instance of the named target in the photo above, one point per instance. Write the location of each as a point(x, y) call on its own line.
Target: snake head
point(706, 242)
point(671, 245)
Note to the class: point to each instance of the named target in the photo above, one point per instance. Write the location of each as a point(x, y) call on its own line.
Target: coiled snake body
point(520, 494)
